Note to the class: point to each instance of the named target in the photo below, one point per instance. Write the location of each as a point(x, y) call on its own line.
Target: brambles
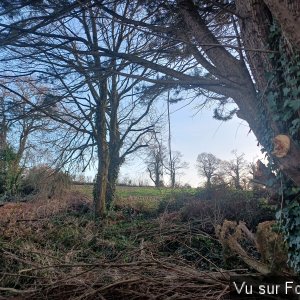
point(45, 181)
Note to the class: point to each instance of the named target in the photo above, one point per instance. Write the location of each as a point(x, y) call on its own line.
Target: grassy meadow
point(146, 198)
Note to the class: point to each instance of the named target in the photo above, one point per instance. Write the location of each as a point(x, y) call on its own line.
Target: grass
point(143, 191)
point(134, 191)
point(146, 199)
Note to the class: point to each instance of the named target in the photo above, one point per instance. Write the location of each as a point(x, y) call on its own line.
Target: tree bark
point(257, 16)
point(254, 24)
point(113, 172)
point(102, 152)
point(287, 13)
point(232, 73)
point(3, 128)
point(114, 155)
point(114, 142)
point(100, 186)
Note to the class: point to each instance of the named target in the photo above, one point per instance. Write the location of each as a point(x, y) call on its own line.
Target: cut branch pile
point(57, 256)
point(146, 278)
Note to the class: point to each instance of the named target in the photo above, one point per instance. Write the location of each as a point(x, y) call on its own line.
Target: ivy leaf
point(293, 205)
point(296, 190)
point(270, 75)
point(295, 104)
point(295, 126)
point(276, 117)
point(287, 116)
point(296, 92)
point(293, 68)
point(272, 99)
point(278, 214)
point(293, 81)
point(297, 241)
point(286, 91)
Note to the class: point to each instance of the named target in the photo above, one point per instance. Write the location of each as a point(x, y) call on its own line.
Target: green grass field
point(142, 198)
point(135, 191)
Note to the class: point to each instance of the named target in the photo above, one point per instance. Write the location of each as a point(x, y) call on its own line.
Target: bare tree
point(20, 124)
point(174, 167)
point(208, 166)
point(155, 161)
point(107, 117)
point(236, 169)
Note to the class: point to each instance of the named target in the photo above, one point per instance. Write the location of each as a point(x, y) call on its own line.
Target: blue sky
point(194, 133)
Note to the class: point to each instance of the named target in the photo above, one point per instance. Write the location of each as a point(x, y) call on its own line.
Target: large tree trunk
point(114, 143)
point(2, 139)
point(257, 16)
point(173, 179)
point(101, 185)
point(232, 73)
point(103, 154)
point(287, 13)
point(113, 173)
point(254, 34)
point(3, 129)
point(115, 160)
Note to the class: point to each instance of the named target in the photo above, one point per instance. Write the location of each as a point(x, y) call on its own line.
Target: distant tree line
point(235, 172)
